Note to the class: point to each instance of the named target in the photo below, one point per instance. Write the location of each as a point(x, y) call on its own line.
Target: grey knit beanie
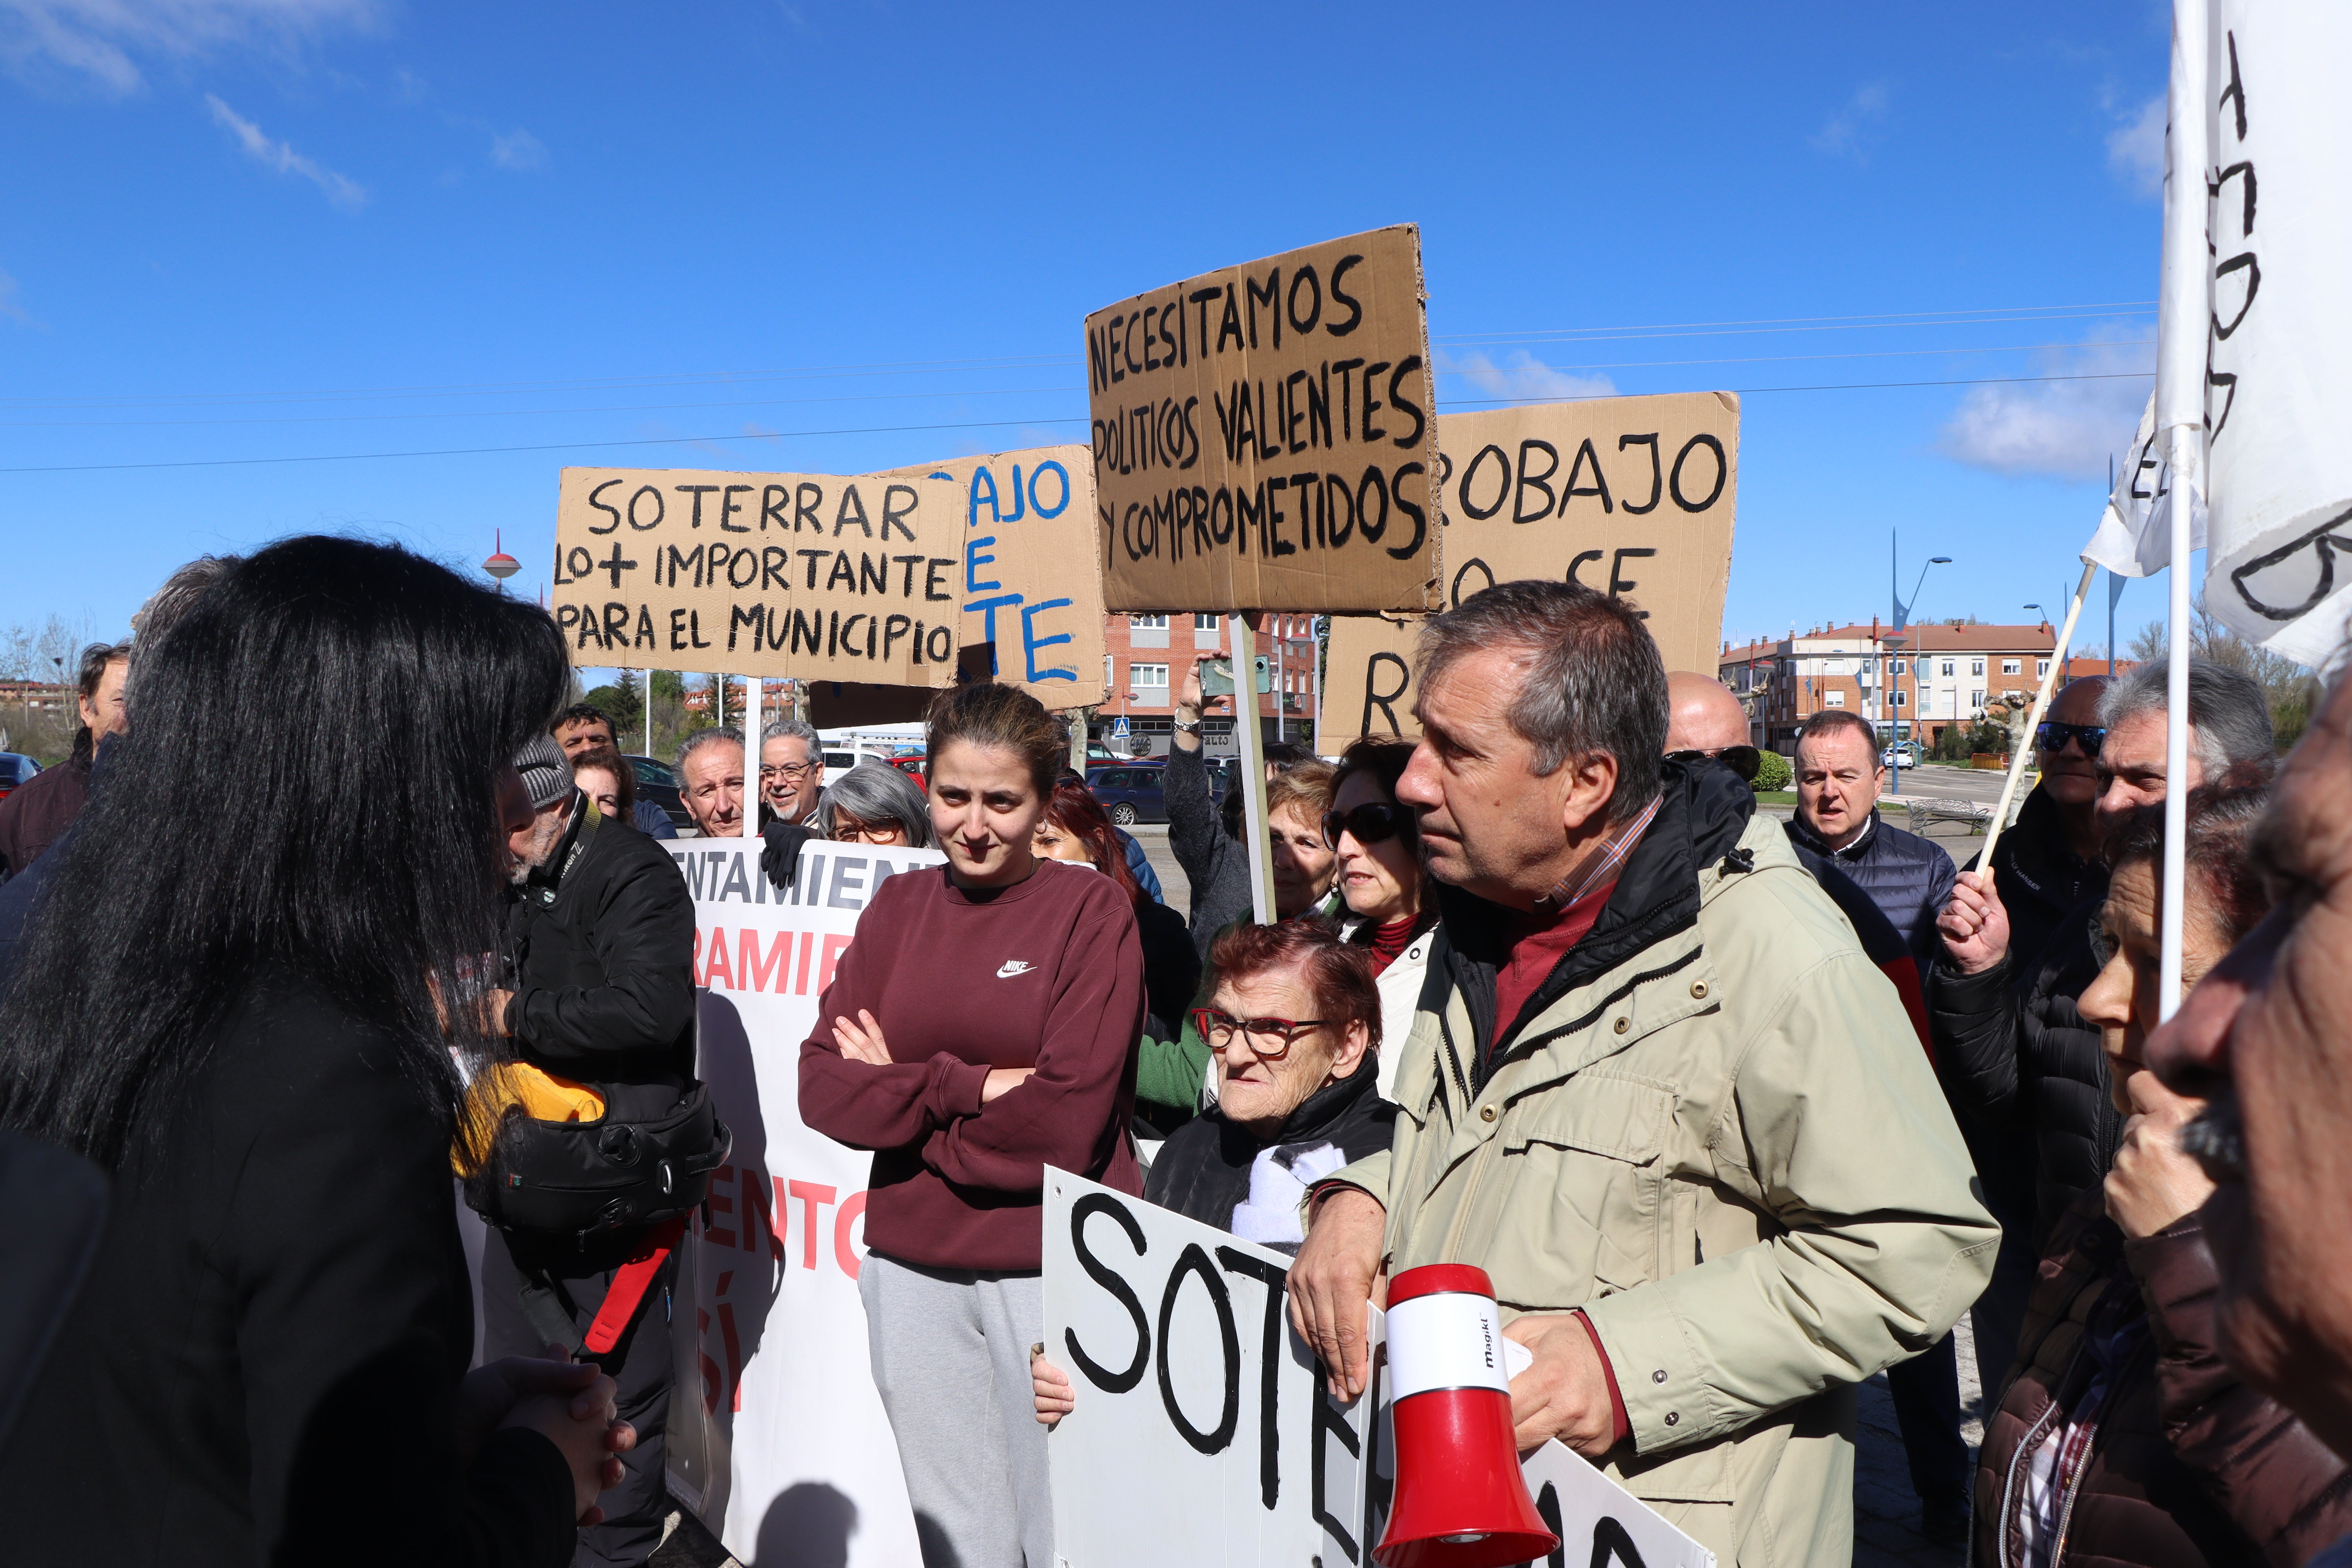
point(546, 771)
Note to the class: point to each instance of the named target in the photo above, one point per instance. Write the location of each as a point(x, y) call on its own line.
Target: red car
point(912, 766)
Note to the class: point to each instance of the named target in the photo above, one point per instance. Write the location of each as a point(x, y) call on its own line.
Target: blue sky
point(241, 229)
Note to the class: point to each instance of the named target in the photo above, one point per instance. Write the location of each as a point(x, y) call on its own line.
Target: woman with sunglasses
point(1390, 914)
point(1294, 1025)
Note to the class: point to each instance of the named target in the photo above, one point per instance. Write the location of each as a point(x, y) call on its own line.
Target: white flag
point(2279, 371)
point(2135, 535)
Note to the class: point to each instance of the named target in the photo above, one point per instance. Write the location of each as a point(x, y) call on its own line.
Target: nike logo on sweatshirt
point(1011, 967)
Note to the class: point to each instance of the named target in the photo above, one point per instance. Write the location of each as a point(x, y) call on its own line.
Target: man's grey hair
point(177, 596)
point(793, 730)
point(877, 792)
point(1593, 680)
point(727, 733)
point(2229, 716)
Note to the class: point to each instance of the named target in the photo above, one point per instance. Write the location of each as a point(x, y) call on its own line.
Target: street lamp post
point(1901, 620)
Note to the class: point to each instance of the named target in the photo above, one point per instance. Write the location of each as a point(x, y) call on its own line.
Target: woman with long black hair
point(247, 1013)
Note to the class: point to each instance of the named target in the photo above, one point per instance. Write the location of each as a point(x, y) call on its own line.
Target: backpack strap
point(630, 1282)
point(547, 1306)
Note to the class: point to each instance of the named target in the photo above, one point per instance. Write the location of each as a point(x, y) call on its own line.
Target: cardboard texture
point(847, 704)
point(1262, 434)
point(1633, 496)
point(813, 575)
point(1028, 574)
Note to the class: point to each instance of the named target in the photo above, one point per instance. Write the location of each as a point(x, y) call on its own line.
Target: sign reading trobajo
point(1028, 578)
point(1632, 496)
point(804, 575)
point(1262, 434)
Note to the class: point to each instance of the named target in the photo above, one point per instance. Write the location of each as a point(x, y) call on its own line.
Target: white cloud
point(9, 308)
point(1524, 379)
point(281, 156)
point(104, 40)
point(520, 150)
point(2059, 429)
point(1843, 134)
point(2135, 150)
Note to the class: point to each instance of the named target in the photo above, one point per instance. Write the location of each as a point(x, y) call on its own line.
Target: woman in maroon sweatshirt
point(980, 1027)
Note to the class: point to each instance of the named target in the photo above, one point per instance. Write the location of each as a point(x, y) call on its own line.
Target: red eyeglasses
point(1269, 1038)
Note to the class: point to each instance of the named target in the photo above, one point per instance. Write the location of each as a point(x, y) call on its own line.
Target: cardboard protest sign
point(1635, 497)
point(1201, 1432)
point(775, 1432)
point(812, 575)
point(1028, 573)
point(1598, 1521)
point(1262, 434)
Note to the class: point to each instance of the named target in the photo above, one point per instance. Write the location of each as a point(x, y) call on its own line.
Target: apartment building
point(1934, 677)
point(1145, 665)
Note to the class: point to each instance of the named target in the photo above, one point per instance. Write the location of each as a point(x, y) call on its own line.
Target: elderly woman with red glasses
point(1390, 915)
point(1295, 1026)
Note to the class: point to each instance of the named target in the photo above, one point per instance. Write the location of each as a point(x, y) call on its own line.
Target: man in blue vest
point(1838, 780)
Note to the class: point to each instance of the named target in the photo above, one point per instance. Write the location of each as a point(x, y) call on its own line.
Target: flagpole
point(2041, 706)
point(751, 763)
point(2184, 310)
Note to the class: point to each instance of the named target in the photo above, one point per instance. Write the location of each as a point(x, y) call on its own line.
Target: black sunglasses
point(1741, 760)
point(1374, 822)
point(2050, 735)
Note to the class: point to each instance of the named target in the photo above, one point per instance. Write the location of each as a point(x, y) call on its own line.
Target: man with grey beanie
point(600, 978)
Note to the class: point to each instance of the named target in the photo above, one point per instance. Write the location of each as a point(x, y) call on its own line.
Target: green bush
point(1772, 771)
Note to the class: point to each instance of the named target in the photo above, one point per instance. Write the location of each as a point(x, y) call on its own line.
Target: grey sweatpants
point(950, 1352)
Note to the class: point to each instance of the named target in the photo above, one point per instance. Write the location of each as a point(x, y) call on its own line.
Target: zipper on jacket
point(2091, 1448)
point(2008, 1482)
point(2074, 1489)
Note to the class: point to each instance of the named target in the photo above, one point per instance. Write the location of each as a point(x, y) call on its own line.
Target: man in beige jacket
point(1655, 1090)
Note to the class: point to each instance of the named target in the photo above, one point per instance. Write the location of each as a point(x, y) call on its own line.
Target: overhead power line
point(893, 429)
point(983, 392)
point(1985, 316)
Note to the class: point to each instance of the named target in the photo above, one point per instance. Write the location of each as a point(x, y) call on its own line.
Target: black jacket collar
point(1703, 810)
point(1807, 838)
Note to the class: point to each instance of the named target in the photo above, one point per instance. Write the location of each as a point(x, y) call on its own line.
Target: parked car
point(15, 768)
point(1905, 755)
point(911, 764)
point(1132, 792)
point(1129, 792)
point(657, 782)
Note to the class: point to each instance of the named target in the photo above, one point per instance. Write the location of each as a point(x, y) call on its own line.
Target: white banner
point(1202, 1432)
point(777, 1439)
point(2278, 393)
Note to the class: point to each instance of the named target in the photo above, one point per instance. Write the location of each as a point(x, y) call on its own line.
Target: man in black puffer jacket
point(1838, 778)
point(600, 948)
point(2045, 867)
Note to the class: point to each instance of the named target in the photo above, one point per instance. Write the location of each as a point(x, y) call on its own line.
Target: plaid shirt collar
point(1600, 869)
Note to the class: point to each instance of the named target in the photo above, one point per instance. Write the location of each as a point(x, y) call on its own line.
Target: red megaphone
point(1460, 1501)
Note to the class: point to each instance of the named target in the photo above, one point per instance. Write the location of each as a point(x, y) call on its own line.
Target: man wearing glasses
point(2014, 1048)
point(791, 774)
